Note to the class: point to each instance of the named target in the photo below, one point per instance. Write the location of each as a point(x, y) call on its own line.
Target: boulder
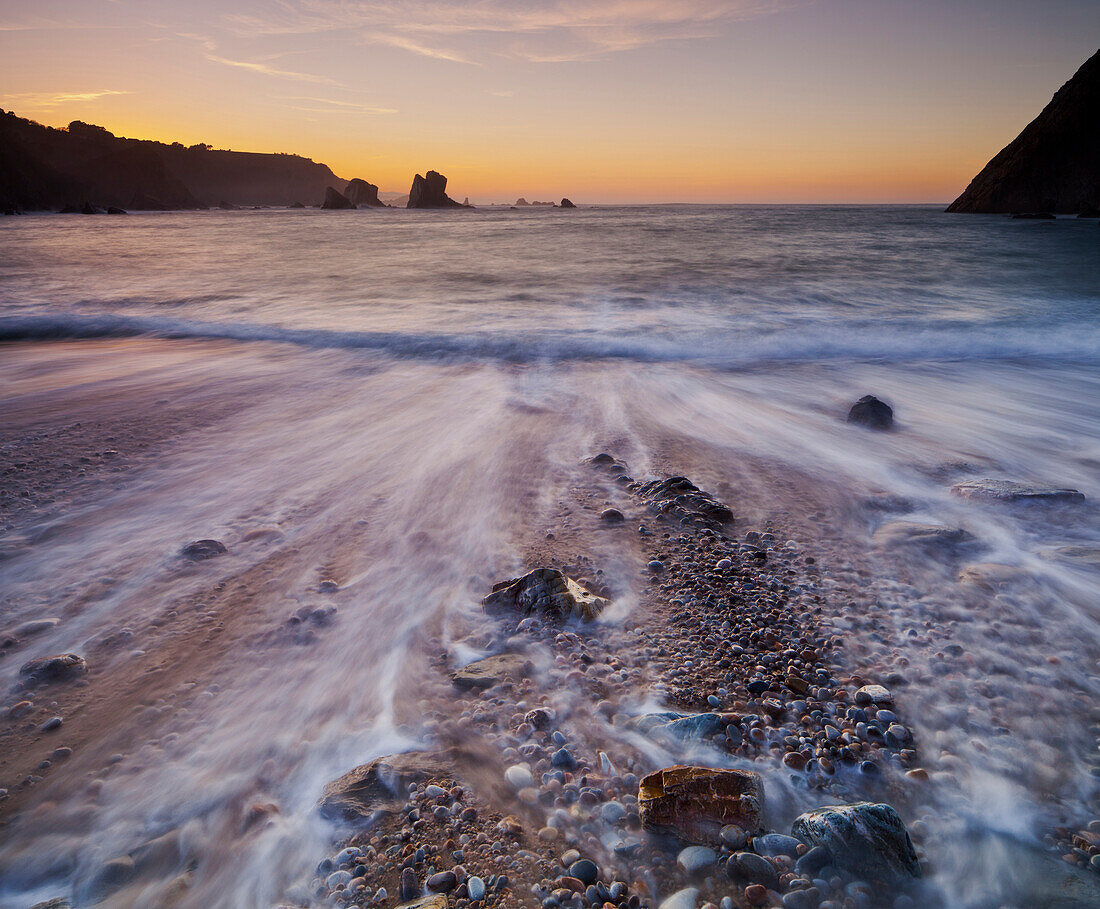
point(1010, 491)
point(492, 671)
point(547, 592)
point(430, 191)
point(695, 803)
point(924, 536)
point(201, 550)
point(360, 792)
point(565, 203)
point(58, 668)
point(336, 201)
point(869, 411)
point(867, 839)
point(360, 192)
point(1054, 164)
point(679, 498)
point(690, 727)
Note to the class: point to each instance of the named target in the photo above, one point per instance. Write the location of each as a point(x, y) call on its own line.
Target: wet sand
point(115, 455)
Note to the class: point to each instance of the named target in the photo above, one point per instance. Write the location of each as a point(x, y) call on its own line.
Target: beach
point(380, 417)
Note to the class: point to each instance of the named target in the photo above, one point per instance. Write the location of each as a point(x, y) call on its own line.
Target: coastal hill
point(1054, 164)
point(46, 168)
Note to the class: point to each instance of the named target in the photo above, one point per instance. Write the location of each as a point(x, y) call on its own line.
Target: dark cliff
point(42, 167)
point(1054, 164)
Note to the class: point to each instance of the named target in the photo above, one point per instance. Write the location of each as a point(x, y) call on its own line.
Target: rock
point(89, 209)
point(695, 859)
point(584, 871)
point(360, 792)
point(438, 901)
point(748, 866)
point(492, 671)
point(61, 667)
point(200, 550)
point(612, 516)
point(993, 576)
point(869, 411)
point(475, 887)
point(335, 200)
point(226, 206)
point(923, 536)
point(111, 876)
point(874, 694)
point(548, 592)
point(519, 776)
point(773, 844)
point(430, 191)
point(565, 203)
point(681, 899)
point(295, 205)
point(812, 861)
point(679, 726)
point(35, 626)
point(1054, 164)
point(695, 803)
point(442, 882)
point(1010, 491)
point(56, 903)
point(115, 210)
point(867, 839)
point(1081, 556)
point(679, 498)
point(360, 192)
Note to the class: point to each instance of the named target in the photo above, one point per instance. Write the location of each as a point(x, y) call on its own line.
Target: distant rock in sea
point(565, 203)
point(360, 192)
point(336, 200)
point(430, 191)
point(1054, 164)
point(521, 202)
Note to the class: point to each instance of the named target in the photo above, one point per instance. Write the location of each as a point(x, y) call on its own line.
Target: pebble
point(694, 859)
point(724, 564)
point(54, 722)
point(773, 844)
point(442, 882)
point(733, 836)
point(756, 894)
point(657, 566)
point(681, 899)
point(752, 867)
point(584, 871)
point(519, 775)
point(475, 887)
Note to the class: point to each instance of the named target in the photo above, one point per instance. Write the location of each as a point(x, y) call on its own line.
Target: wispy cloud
point(50, 100)
point(547, 31)
point(331, 106)
point(266, 70)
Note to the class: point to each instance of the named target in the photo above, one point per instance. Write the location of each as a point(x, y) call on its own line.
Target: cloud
point(331, 106)
point(266, 70)
point(50, 100)
point(531, 30)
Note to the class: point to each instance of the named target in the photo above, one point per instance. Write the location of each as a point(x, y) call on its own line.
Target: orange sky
point(620, 101)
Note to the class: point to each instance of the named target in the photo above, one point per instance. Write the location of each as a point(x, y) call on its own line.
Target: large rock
point(369, 787)
point(201, 550)
point(548, 592)
point(679, 498)
point(867, 839)
point(695, 803)
point(869, 411)
point(492, 671)
point(336, 200)
point(565, 203)
point(430, 191)
point(1054, 164)
point(1010, 491)
point(60, 668)
point(680, 727)
point(435, 901)
point(923, 536)
point(360, 192)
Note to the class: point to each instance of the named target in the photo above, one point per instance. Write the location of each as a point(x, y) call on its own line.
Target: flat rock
point(926, 536)
point(548, 592)
point(695, 803)
point(35, 626)
point(360, 792)
point(436, 901)
point(867, 839)
point(1011, 491)
point(58, 668)
point(492, 671)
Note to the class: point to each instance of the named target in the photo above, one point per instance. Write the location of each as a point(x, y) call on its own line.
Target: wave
point(807, 343)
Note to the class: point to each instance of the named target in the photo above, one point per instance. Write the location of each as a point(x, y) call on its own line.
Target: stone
point(695, 859)
point(436, 901)
point(360, 792)
point(115, 210)
point(695, 803)
point(475, 887)
point(748, 866)
point(430, 191)
point(1011, 491)
point(1054, 164)
point(773, 844)
point(519, 776)
point(993, 576)
point(486, 673)
point(584, 871)
point(110, 877)
point(61, 667)
point(678, 498)
point(679, 726)
point(565, 203)
point(200, 550)
point(442, 882)
point(922, 536)
point(612, 516)
point(872, 413)
point(547, 592)
point(336, 200)
point(360, 192)
point(873, 694)
point(867, 839)
point(35, 626)
point(681, 899)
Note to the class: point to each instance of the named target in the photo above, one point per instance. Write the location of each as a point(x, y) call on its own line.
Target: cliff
point(42, 167)
point(362, 193)
point(1054, 164)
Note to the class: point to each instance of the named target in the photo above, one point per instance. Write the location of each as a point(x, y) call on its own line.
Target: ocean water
point(418, 391)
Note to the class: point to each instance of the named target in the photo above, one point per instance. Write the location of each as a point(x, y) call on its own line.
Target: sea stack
point(1054, 164)
point(360, 192)
point(336, 200)
point(430, 191)
point(565, 203)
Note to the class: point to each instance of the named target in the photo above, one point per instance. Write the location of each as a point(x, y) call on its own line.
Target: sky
point(599, 100)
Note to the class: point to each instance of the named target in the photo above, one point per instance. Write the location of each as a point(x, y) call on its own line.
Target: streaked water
point(427, 384)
